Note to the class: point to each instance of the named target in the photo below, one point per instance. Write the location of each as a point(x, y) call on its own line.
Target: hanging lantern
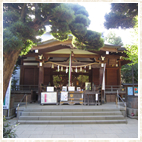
point(40, 64)
point(116, 65)
point(52, 66)
point(36, 51)
point(61, 68)
point(107, 52)
point(58, 68)
point(80, 68)
point(102, 65)
point(85, 68)
point(66, 69)
point(76, 69)
point(89, 67)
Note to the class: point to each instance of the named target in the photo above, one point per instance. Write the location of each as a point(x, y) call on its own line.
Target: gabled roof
point(68, 44)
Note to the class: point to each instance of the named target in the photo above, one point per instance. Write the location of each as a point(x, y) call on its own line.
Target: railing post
point(116, 100)
point(26, 100)
point(17, 113)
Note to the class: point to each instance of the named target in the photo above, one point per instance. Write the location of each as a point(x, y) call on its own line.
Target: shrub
point(8, 129)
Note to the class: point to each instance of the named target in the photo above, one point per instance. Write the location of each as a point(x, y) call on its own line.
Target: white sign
point(64, 88)
point(47, 97)
point(50, 89)
point(7, 97)
point(64, 96)
point(71, 88)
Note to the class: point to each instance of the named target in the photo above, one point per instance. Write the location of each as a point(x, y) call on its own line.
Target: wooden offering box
point(74, 97)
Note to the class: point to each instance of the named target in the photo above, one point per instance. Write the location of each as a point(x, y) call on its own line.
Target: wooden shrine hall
point(58, 64)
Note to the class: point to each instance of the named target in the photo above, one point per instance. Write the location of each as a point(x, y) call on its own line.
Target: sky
point(97, 11)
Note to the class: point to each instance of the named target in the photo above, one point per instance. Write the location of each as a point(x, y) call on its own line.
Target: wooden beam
point(76, 55)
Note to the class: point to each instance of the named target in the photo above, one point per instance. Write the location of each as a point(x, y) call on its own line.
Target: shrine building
point(60, 66)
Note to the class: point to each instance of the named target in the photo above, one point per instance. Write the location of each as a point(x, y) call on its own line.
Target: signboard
point(136, 91)
point(48, 97)
point(78, 89)
point(6, 102)
point(64, 96)
point(130, 90)
point(64, 88)
point(71, 88)
point(50, 89)
point(87, 85)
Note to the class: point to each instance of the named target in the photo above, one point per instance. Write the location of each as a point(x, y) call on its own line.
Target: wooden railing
point(22, 88)
point(114, 89)
point(118, 99)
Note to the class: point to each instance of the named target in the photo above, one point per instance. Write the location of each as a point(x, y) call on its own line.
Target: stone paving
point(129, 130)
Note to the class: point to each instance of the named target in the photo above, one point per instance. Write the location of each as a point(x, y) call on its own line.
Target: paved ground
point(129, 130)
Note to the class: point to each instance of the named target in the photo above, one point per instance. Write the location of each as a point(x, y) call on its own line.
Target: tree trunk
point(8, 67)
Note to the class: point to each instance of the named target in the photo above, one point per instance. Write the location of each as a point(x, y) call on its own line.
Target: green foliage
point(112, 38)
point(22, 22)
point(132, 50)
point(121, 15)
point(132, 54)
point(56, 80)
point(126, 73)
point(82, 79)
point(8, 129)
point(27, 46)
point(10, 41)
point(84, 39)
point(91, 41)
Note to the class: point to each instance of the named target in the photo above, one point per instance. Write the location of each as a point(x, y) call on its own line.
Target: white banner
point(103, 82)
point(96, 97)
point(6, 102)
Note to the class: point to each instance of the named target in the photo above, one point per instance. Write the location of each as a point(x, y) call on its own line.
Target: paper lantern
point(52, 66)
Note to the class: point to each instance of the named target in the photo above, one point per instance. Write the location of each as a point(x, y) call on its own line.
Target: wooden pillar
point(41, 81)
point(119, 74)
point(101, 75)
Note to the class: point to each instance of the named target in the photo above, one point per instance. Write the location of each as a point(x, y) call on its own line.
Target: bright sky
point(97, 11)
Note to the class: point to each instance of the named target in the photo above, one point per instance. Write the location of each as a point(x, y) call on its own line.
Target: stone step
point(70, 113)
point(72, 117)
point(69, 110)
point(71, 121)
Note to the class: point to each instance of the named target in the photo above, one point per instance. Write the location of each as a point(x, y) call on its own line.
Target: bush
point(8, 129)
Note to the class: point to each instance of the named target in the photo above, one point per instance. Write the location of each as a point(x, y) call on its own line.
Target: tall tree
point(22, 22)
point(121, 15)
point(132, 50)
point(126, 73)
point(112, 38)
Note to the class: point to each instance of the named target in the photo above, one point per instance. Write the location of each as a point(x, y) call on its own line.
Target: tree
point(22, 22)
point(112, 38)
point(132, 50)
point(121, 15)
point(126, 73)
